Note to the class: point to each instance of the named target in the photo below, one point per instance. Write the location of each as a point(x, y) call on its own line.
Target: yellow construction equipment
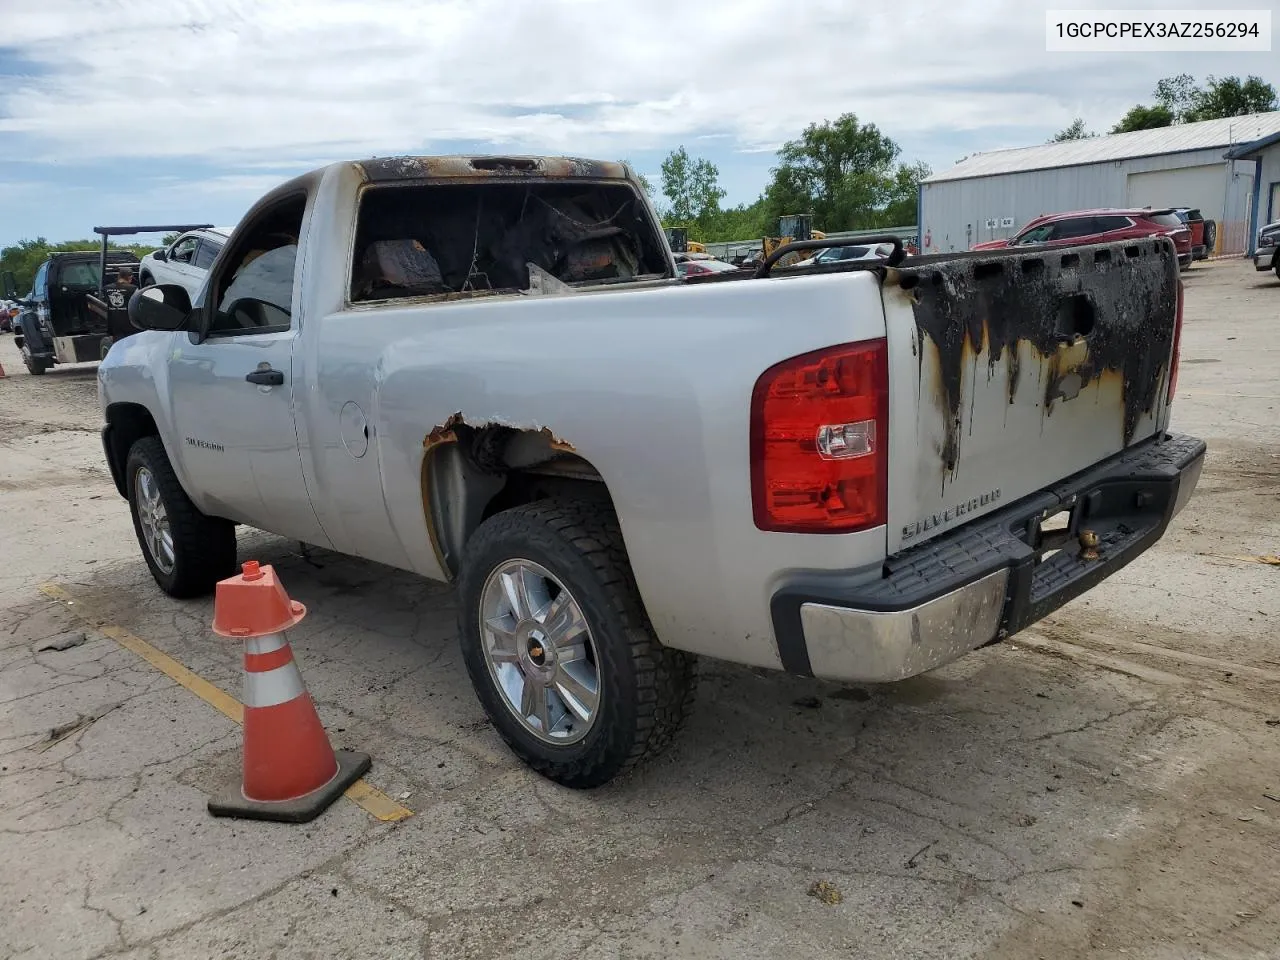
point(678, 240)
point(797, 226)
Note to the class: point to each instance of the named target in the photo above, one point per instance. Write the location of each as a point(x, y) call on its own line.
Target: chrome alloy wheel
point(154, 520)
point(540, 651)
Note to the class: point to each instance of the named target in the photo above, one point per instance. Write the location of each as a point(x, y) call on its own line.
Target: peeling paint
point(447, 432)
point(1089, 315)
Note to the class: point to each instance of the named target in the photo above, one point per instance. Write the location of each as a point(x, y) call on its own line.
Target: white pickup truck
point(486, 370)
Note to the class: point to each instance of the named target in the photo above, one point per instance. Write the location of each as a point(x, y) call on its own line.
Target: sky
point(130, 111)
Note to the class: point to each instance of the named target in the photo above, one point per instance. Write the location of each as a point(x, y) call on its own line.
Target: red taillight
point(1177, 346)
point(820, 441)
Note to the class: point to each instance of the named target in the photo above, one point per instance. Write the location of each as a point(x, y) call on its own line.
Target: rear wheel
point(558, 646)
point(186, 551)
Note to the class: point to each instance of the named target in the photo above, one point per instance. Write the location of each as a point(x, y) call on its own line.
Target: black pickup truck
point(58, 323)
point(72, 314)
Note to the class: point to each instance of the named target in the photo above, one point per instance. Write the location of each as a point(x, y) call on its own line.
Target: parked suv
point(1204, 233)
point(1101, 226)
point(1267, 254)
point(186, 261)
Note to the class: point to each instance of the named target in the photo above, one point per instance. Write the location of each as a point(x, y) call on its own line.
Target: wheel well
point(471, 473)
point(127, 423)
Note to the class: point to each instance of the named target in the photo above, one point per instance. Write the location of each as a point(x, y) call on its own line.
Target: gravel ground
point(1104, 785)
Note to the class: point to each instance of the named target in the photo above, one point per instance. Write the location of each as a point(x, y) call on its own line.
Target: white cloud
point(270, 84)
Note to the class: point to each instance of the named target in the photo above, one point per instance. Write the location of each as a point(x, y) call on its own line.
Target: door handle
point(266, 378)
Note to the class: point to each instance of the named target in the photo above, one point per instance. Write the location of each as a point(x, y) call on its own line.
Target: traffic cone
point(291, 772)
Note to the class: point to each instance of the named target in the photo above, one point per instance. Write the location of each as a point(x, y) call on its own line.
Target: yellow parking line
point(363, 794)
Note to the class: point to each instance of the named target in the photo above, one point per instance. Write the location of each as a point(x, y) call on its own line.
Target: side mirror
point(10, 286)
point(160, 254)
point(166, 306)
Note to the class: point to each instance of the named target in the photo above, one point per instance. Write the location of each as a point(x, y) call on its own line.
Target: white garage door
point(1204, 187)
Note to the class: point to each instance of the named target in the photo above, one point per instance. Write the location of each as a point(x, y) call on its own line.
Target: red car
point(1100, 226)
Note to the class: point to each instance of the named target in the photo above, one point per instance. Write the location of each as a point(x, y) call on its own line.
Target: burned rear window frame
point(386, 182)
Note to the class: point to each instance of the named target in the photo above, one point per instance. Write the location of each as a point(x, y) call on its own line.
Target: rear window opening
point(471, 239)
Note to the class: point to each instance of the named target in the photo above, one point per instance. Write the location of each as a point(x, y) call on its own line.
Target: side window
point(255, 285)
point(38, 285)
point(1073, 228)
point(207, 253)
point(1106, 224)
point(1037, 234)
point(184, 250)
point(80, 274)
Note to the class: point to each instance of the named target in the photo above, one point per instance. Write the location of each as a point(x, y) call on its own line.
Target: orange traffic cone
point(291, 772)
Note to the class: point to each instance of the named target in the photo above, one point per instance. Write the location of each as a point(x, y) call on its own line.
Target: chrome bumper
point(860, 645)
point(987, 580)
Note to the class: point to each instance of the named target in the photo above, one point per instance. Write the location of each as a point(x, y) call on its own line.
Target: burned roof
point(382, 169)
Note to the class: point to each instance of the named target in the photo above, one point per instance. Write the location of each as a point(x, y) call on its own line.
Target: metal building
point(1265, 154)
point(989, 196)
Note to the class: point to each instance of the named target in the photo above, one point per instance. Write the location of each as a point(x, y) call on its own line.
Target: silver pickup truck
point(486, 370)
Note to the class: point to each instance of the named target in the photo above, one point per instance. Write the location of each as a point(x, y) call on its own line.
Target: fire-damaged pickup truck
point(486, 370)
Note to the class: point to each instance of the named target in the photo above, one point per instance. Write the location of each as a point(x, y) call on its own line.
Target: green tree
point(25, 256)
point(902, 198)
point(742, 222)
point(1230, 97)
point(1141, 117)
point(841, 171)
point(1175, 94)
point(1073, 131)
point(692, 185)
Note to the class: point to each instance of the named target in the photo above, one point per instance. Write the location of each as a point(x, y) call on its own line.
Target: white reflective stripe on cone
point(270, 688)
point(265, 644)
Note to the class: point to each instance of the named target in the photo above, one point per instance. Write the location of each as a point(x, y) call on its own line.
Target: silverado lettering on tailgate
point(946, 516)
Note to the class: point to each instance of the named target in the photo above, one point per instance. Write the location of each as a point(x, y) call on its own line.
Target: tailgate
point(1011, 369)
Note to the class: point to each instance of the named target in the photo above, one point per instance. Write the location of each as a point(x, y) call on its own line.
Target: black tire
point(1210, 236)
point(1276, 266)
point(646, 689)
point(146, 280)
point(204, 547)
point(36, 366)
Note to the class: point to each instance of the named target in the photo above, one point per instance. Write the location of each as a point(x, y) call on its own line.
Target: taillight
point(1177, 346)
point(820, 441)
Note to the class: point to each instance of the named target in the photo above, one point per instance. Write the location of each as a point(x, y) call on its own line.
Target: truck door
point(232, 387)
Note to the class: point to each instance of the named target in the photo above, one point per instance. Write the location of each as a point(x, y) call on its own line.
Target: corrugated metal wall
point(1269, 194)
point(955, 212)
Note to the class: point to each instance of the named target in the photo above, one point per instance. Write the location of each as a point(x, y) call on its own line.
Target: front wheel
point(558, 646)
point(186, 551)
point(36, 366)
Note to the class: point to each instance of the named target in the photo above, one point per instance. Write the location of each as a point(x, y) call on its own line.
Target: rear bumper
point(988, 579)
point(78, 348)
point(1265, 258)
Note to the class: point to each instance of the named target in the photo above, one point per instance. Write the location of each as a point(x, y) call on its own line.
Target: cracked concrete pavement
point(1096, 787)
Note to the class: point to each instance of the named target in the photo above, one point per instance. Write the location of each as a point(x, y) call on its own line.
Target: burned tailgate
point(1029, 365)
